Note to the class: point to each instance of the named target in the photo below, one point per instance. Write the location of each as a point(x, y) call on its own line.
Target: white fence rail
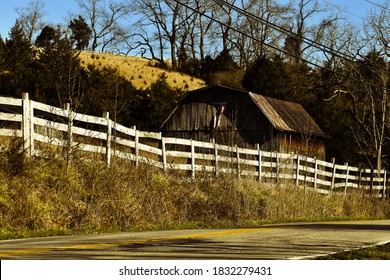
point(42, 126)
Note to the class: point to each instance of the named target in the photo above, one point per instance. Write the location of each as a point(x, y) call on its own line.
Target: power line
point(273, 47)
point(378, 5)
point(344, 10)
point(288, 32)
point(245, 34)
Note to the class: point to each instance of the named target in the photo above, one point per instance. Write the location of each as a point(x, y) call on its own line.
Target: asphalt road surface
point(284, 241)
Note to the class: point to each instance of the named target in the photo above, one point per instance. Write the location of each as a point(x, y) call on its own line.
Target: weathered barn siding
point(195, 117)
point(247, 120)
point(312, 147)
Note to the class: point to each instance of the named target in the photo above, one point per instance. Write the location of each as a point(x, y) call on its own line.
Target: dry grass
point(94, 198)
point(48, 197)
point(380, 252)
point(140, 71)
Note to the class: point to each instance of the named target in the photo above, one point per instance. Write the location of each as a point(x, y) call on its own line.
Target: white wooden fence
point(43, 127)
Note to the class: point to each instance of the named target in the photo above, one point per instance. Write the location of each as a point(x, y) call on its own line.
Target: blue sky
point(57, 10)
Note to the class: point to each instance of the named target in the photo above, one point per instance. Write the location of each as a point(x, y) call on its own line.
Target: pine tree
point(268, 77)
point(81, 33)
point(46, 37)
point(107, 90)
point(18, 63)
point(2, 55)
point(221, 70)
point(59, 70)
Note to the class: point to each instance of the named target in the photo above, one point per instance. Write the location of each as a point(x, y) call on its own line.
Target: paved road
point(285, 241)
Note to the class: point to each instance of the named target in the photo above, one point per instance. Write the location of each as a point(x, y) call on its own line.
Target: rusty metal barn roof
point(286, 116)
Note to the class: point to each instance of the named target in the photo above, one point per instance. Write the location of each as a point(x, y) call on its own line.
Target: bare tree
point(187, 39)
point(31, 18)
point(203, 24)
point(104, 19)
point(257, 33)
point(225, 14)
point(370, 102)
point(131, 41)
point(148, 24)
point(164, 19)
point(304, 37)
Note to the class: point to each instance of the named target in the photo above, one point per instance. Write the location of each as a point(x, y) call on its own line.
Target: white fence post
point(315, 173)
point(260, 154)
point(297, 171)
point(192, 159)
point(359, 176)
point(27, 125)
point(238, 163)
point(277, 167)
point(69, 117)
point(346, 178)
point(163, 154)
point(333, 175)
point(384, 184)
point(136, 146)
point(106, 115)
point(215, 157)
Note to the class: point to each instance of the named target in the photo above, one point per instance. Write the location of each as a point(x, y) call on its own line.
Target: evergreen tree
point(268, 77)
point(155, 104)
point(81, 33)
point(107, 90)
point(283, 80)
point(46, 37)
point(221, 70)
point(18, 63)
point(2, 55)
point(60, 73)
point(3, 69)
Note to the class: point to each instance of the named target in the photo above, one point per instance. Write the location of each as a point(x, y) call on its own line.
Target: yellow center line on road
point(18, 252)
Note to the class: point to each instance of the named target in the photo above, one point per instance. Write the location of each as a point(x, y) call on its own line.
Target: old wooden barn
point(236, 117)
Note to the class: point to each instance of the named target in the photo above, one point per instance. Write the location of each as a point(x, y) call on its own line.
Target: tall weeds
point(91, 197)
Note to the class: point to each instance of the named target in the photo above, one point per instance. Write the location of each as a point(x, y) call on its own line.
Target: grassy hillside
point(140, 71)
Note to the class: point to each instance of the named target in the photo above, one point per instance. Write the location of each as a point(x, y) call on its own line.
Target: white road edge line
point(321, 255)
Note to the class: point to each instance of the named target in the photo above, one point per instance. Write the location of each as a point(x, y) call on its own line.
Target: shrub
point(12, 157)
